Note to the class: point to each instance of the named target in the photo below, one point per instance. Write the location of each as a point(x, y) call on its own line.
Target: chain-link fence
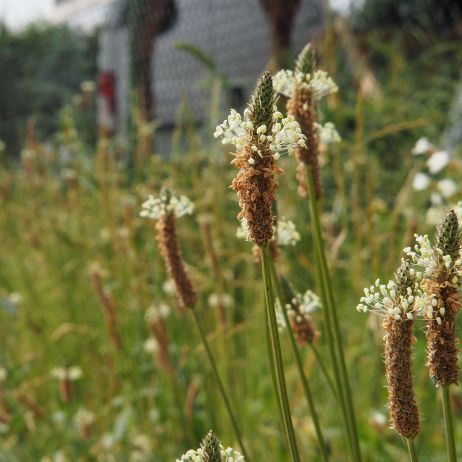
point(152, 55)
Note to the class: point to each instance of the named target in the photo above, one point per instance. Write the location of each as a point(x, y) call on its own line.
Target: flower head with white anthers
point(422, 146)
point(447, 187)
point(300, 305)
point(437, 161)
point(285, 232)
point(284, 136)
point(421, 181)
point(432, 258)
point(299, 311)
point(67, 373)
point(217, 299)
point(307, 302)
point(318, 82)
point(157, 207)
point(157, 311)
point(400, 299)
point(227, 455)
point(443, 260)
point(327, 133)
point(83, 417)
point(151, 345)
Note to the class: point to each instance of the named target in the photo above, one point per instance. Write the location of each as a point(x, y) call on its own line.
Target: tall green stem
point(276, 356)
point(298, 360)
point(221, 387)
point(448, 424)
point(411, 448)
point(332, 324)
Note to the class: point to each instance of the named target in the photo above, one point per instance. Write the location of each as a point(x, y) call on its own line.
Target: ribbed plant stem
point(411, 448)
point(298, 360)
point(332, 324)
point(448, 424)
point(276, 356)
point(221, 387)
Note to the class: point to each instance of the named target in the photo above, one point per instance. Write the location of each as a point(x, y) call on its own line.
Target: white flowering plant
point(284, 233)
point(431, 258)
point(198, 455)
point(283, 138)
point(319, 83)
point(157, 207)
point(387, 300)
point(300, 306)
point(327, 133)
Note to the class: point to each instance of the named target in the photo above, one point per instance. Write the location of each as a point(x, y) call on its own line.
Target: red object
point(107, 89)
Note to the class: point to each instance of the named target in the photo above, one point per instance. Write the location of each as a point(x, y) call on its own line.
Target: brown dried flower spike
point(398, 340)
point(399, 301)
point(303, 87)
point(255, 182)
point(301, 106)
point(165, 210)
point(442, 351)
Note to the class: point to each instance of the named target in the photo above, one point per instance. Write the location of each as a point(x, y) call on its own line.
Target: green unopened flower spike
point(399, 301)
point(211, 450)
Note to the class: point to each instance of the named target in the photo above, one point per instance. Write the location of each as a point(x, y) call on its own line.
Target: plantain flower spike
point(260, 138)
point(211, 450)
point(304, 87)
point(400, 302)
point(441, 266)
point(165, 210)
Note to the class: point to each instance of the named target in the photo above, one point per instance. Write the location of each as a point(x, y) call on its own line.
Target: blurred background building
point(141, 43)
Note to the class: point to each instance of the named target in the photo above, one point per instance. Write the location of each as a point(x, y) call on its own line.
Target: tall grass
point(59, 219)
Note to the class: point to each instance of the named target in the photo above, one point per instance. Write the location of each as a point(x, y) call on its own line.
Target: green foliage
point(42, 69)
point(427, 16)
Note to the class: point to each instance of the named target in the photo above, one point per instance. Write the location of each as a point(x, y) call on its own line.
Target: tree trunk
point(281, 17)
point(148, 19)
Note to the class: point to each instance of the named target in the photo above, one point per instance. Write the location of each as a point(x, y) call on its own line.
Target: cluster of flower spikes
point(211, 450)
point(397, 299)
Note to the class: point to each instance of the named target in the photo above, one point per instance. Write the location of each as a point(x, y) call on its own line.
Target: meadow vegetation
point(100, 360)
